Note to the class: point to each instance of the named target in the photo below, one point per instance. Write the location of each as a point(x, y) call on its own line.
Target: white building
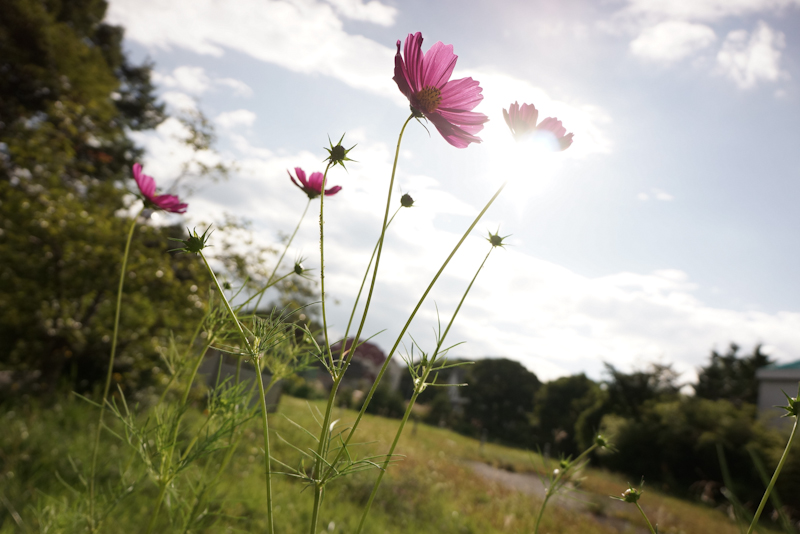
point(773, 380)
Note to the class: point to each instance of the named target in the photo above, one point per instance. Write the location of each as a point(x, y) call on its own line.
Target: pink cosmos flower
point(147, 186)
point(425, 80)
point(313, 185)
point(522, 122)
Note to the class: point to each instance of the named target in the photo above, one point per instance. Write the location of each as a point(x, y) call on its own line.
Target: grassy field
point(433, 489)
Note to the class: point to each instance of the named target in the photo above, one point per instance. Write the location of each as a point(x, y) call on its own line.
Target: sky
point(668, 229)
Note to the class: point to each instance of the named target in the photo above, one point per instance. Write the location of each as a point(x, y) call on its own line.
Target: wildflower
point(313, 185)
point(425, 80)
point(147, 186)
point(522, 122)
point(406, 201)
point(338, 154)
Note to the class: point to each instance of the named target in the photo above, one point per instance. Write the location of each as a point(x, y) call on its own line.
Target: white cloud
point(750, 58)
point(179, 101)
point(191, 80)
point(303, 36)
point(701, 10)
point(239, 87)
point(195, 81)
point(232, 119)
point(373, 11)
point(552, 319)
point(672, 40)
point(662, 195)
point(658, 194)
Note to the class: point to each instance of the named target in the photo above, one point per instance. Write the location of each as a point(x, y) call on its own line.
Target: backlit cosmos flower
point(522, 122)
point(147, 186)
point(313, 185)
point(448, 104)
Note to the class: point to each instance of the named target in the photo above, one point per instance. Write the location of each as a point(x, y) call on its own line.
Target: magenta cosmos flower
point(147, 186)
point(522, 122)
point(313, 185)
point(448, 104)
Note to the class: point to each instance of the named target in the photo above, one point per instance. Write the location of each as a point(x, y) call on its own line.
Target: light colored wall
point(770, 384)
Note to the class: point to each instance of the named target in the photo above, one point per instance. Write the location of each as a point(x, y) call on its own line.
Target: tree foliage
point(730, 376)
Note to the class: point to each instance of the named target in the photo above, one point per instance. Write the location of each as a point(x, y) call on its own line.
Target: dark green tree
point(499, 400)
point(628, 393)
point(68, 98)
point(730, 376)
point(560, 405)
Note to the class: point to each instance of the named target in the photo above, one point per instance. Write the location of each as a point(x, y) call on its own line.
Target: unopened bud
point(406, 201)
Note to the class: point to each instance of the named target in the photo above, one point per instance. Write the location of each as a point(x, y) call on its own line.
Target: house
point(773, 381)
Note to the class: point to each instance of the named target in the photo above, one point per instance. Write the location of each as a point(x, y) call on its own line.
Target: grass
point(432, 490)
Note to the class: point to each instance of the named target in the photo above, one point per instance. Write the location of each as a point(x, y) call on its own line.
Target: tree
point(730, 376)
point(563, 410)
point(499, 396)
point(628, 393)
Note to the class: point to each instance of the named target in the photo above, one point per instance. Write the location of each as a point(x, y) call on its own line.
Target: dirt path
point(601, 508)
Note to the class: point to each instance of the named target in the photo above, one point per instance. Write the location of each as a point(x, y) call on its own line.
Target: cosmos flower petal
point(438, 65)
point(147, 187)
point(464, 94)
point(413, 57)
point(312, 186)
point(463, 118)
point(521, 120)
point(400, 77)
point(424, 80)
point(454, 135)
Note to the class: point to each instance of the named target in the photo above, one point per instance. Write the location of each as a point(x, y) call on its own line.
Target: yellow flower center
point(428, 99)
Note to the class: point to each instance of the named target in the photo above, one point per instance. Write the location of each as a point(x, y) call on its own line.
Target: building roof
point(790, 365)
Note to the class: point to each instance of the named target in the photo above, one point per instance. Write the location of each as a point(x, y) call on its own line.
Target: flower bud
point(632, 495)
point(298, 268)
point(406, 201)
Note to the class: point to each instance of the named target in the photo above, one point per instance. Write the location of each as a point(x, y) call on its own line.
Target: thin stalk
point(553, 487)
point(417, 390)
point(107, 386)
point(265, 420)
point(288, 244)
point(160, 499)
point(547, 496)
point(649, 525)
point(319, 484)
point(265, 427)
point(386, 363)
point(774, 478)
point(327, 347)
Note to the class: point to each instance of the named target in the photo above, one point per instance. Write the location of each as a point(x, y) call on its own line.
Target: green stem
point(553, 487)
point(774, 478)
point(327, 347)
point(338, 375)
point(417, 390)
point(288, 244)
point(265, 428)
point(388, 360)
point(547, 496)
point(650, 526)
point(110, 373)
point(160, 499)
